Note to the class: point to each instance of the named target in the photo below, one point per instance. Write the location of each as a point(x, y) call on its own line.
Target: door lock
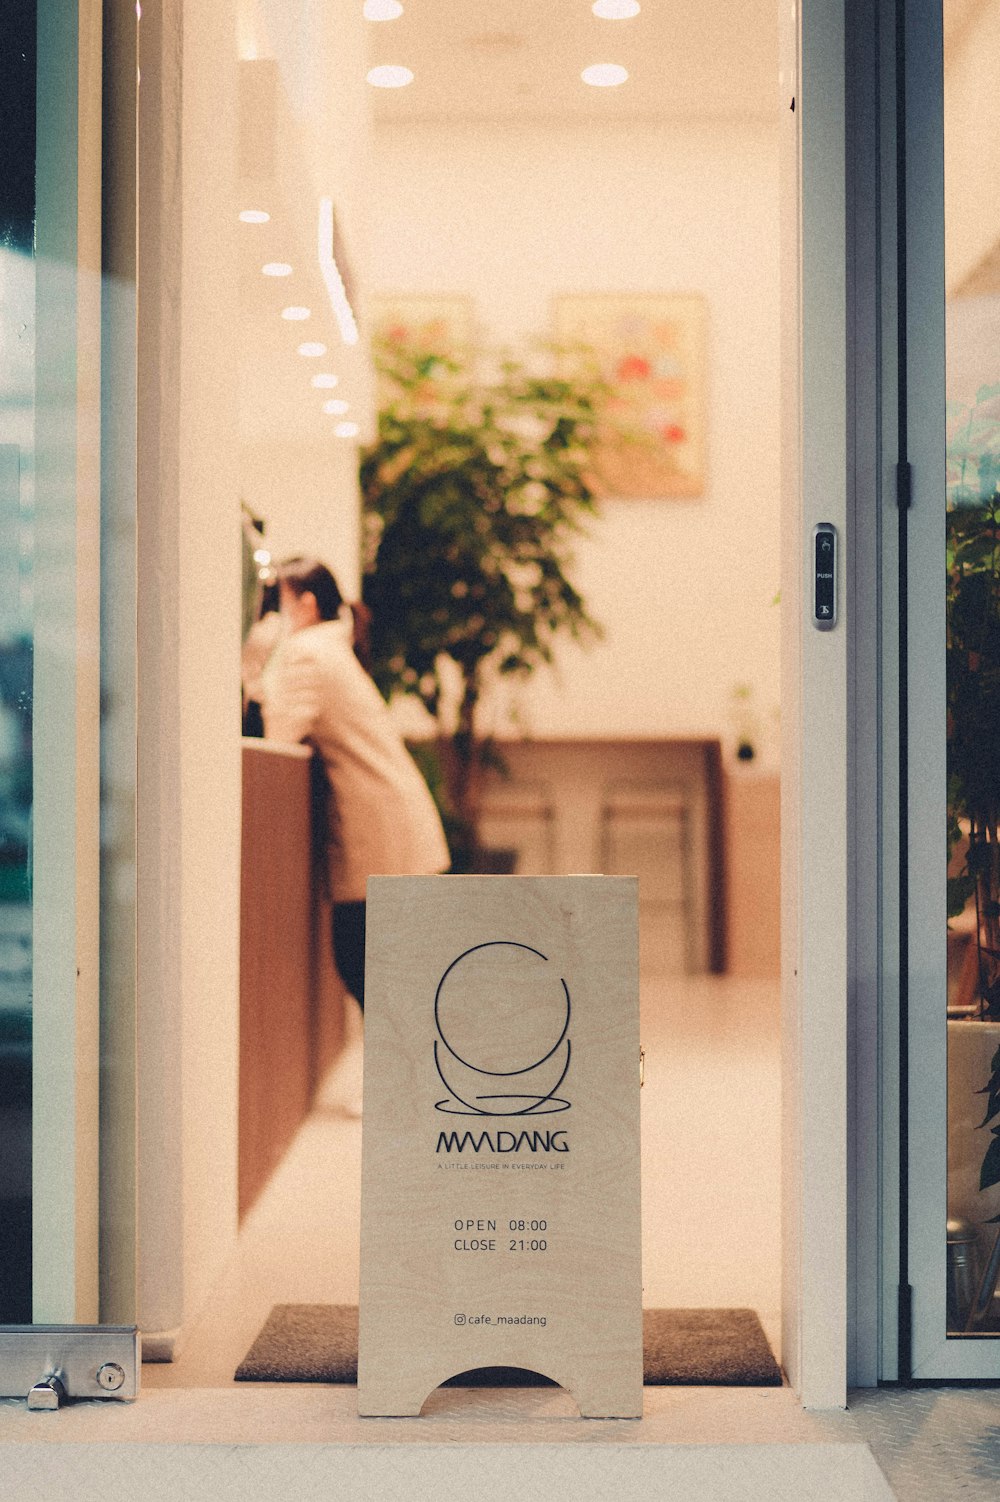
point(110, 1376)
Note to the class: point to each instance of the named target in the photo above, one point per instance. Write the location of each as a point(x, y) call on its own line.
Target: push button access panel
point(824, 576)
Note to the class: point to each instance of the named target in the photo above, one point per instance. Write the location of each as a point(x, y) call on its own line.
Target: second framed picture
point(652, 351)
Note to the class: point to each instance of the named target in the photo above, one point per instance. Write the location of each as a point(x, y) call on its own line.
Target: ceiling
point(522, 59)
point(496, 60)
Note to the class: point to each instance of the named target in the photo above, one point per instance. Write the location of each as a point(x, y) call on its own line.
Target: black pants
point(349, 947)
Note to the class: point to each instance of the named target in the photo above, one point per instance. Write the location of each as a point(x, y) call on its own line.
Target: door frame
point(926, 1352)
point(65, 688)
point(180, 1171)
point(815, 742)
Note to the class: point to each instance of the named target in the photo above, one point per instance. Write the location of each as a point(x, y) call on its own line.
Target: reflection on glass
point(972, 531)
point(17, 355)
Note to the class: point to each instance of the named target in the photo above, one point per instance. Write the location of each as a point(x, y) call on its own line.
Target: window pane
point(972, 240)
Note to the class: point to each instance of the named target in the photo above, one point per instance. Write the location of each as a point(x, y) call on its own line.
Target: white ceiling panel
point(511, 59)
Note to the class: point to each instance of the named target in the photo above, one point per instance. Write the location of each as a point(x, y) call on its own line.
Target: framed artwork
point(652, 349)
point(444, 323)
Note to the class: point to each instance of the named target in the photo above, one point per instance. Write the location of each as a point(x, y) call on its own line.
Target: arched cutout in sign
point(500, 1377)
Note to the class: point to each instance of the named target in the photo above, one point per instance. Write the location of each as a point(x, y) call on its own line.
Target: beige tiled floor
point(710, 1156)
point(711, 1188)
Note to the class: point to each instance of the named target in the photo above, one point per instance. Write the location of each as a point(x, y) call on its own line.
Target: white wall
point(189, 592)
point(973, 346)
point(308, 495)
point(972, 154)
point(515, 214)
point(294, 472)
point(193, 456)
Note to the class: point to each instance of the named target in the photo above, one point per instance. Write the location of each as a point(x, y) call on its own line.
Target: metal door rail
point(47, 1363)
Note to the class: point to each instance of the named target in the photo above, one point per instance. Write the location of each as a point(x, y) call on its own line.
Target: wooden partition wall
point(703, 839)
point(291, 999)
point(652, 808)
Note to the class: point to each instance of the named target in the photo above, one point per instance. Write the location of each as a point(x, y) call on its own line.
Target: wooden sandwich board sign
point(500, 1220)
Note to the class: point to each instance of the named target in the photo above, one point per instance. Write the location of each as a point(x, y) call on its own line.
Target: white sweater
point(383, 821)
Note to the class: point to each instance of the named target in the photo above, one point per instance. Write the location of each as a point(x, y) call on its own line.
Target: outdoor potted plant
point(973, 700)
point(473, 491)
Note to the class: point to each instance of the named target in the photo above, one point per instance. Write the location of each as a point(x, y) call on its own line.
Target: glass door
point(950, 436)
point(67, 1224)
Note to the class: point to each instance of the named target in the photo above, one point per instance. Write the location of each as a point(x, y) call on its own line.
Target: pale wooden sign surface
point(500, 1217)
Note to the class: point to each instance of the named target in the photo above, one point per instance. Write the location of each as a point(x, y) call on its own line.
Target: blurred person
point(382, 819)
point(258, 648)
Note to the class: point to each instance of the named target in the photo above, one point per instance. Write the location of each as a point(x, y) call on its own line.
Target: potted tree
point(473, 491)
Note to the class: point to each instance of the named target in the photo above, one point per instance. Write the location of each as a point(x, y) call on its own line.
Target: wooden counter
point(291, 999)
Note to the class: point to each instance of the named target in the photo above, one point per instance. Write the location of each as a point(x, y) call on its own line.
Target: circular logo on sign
point(502, 1018)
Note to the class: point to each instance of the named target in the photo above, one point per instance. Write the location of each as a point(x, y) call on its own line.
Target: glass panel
point(17, 422)
point(972, 259)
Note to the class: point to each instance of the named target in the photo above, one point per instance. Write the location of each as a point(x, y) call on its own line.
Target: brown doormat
point(682, 1347)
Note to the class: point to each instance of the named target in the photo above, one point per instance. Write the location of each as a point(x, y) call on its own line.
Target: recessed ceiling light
point(615, 10)
point(254, 216)
point(277, 268)
point(312, 350)
point(382, 10)
point(325, 380)
point(346, 430)
point(336, 406)
point(296, 315)
point(604, 75)
point(389, 76)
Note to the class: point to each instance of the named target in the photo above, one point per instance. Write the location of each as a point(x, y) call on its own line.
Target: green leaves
point(960, 889)
point(990, 1172)
point(472, 492)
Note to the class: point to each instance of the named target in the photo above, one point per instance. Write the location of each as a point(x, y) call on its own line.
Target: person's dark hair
point(308, 576)
point(269, 599)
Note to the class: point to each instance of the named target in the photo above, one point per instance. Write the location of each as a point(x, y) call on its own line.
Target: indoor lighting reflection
point(296, 315)
point(342, 310)
point(347, 430)
point(389, 76)
point(337, 407)
point(254, 216)
point(382, 10)
point(326, 380)
point(277, 268)
point(604, 75)
point(312, 350)
point(615, 10)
